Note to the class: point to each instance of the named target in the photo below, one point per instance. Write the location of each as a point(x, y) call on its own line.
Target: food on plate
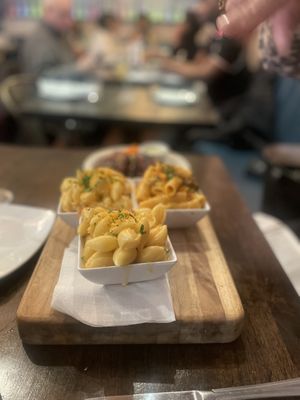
point(130, 161)
point(103, 187)
point(155, 149)
point(172, 186)
point(122, 237)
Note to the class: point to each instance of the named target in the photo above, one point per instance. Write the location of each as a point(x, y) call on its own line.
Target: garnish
point(86, 183)
point(170, 172)
point(142, 230)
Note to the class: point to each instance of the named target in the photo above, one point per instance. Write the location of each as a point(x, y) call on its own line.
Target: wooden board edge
point(234, 317)
point(232, 305)
point(76, 333)
point(21, 313)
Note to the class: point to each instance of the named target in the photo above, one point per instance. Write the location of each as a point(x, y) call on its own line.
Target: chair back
point(13, 91)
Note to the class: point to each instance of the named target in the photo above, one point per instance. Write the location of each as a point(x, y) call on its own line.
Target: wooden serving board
point(206, 303)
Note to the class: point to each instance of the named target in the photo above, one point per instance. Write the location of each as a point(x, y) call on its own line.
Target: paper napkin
point(114, 305)
point(284, 244)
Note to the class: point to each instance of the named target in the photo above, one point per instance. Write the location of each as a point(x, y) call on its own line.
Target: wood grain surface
point(267, 350)
point(206, 303)
point(131, 105)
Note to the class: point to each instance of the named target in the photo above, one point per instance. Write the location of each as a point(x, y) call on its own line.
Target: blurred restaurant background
point(93, 73)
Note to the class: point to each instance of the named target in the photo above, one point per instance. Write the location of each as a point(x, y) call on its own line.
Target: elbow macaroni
point(98, 187)
point(172, 186)
point(122, 237)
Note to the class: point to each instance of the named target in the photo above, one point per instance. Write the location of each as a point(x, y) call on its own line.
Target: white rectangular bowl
point(112, 275)
point(177, 218)
point(185, 217)
point(70, 218)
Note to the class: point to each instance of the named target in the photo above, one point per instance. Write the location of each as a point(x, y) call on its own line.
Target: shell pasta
point(98, 187)
point(172, 186)
point(119, 238)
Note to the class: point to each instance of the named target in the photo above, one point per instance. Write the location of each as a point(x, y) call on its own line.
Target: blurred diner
point(220, 61)
point(185, 40)
point(143, 30)
point(104, 46)
point(47, 46)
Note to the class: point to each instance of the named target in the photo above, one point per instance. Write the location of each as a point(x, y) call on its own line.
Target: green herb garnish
point(86, 182)
point(170, 172)
point(142, 230)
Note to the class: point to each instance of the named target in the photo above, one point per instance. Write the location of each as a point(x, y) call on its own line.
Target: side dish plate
point(23, 230)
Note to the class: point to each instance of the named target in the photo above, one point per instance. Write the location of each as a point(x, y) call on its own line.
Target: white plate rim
point(90, 160)
point(51, 213)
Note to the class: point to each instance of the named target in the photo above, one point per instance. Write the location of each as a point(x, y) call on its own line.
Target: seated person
point(221, 63)
point(222, 67)
point(104, 46)
point(143, 31)
point(48, 47)
point(186, 37)
point(141, 37)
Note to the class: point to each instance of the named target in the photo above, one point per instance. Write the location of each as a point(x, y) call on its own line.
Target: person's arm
point(204, 67)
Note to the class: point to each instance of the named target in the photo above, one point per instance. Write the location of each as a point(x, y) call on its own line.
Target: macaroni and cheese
point(103, 187)
point(122, 237)
point(172, 186)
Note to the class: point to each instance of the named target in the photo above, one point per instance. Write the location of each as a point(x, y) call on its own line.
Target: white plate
point(284, 243)
point(23, 230)
point(175, 97)
point(65, 90)
point(112, 275)
point(142, 76)
point(94, 159)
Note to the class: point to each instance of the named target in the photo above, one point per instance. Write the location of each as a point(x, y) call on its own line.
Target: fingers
point(230, 4)
point(282, 32)
point(243, 16)
point(284, 23)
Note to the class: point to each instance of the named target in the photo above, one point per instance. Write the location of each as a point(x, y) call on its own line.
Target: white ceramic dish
point(171, 79)
point(185, 218)
point(178, 218)
point(284, 243)
point(23, 230)
point(94, 159)
point(112, 275)
point(155, 149)
point(175, 97)
point(70, 218)
point(142, 76)
point(53, 89)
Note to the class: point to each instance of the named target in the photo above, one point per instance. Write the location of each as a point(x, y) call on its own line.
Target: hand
point(243, 16)
point(171, 65)
point(154, 54)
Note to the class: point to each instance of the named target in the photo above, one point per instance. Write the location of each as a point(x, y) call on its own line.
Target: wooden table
point(268, 349)
point(122, 104)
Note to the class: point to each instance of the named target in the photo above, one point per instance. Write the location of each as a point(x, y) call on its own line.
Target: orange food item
point(132, 150)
